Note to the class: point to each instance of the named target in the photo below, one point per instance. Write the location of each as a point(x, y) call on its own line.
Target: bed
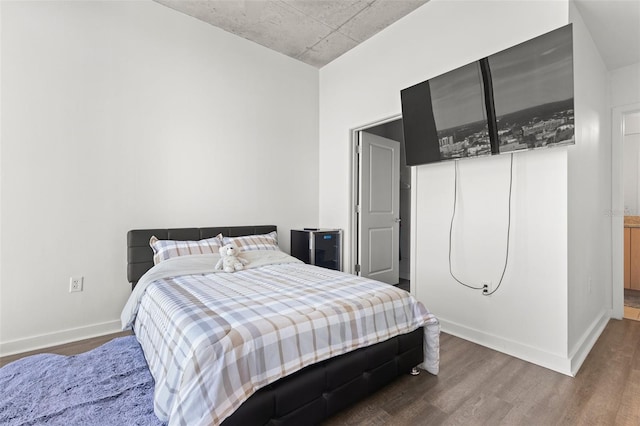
point(227, 368)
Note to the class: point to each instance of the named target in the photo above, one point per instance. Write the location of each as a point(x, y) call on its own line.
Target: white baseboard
point(588, 339)
point(58, 338)
point(565, 365)
point(527, 353)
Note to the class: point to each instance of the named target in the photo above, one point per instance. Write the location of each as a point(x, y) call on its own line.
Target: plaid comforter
point(212, 339)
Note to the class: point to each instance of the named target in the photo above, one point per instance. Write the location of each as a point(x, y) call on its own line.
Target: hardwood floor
point(632, 313)
point(68, 348)
point(479, 386)
point(631, 307)
point(404, 284)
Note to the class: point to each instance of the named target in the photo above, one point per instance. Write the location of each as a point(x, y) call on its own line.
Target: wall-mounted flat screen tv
point(517, 99)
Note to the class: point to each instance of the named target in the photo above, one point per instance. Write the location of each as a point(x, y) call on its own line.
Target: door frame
point(617, 208)
point(354, 237)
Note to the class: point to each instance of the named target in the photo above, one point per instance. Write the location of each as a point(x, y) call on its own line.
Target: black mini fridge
point(320, 247)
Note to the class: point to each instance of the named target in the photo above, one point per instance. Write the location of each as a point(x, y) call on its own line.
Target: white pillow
point(254, 242)
point(166, 249)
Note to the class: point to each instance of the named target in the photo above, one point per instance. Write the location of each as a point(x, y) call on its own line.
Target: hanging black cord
point(453, 216)
point(506, 258)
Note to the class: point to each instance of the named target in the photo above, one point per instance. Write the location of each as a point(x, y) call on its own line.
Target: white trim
point(588, 339)
point(58, 338)
point(552, 361)
point(617, 208)
point(556, 362)
point(353, 203)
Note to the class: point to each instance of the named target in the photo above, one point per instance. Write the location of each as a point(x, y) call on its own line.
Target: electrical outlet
point(486, 288)
point(75, 284)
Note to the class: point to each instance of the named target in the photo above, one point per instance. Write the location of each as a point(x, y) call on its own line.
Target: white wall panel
point(589, 198)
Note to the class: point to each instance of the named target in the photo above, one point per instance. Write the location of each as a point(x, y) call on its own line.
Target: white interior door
point(379, 220)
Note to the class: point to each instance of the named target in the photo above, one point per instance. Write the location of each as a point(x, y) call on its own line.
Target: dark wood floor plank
point(629, 410)
point(533, 391)
point(469, 382)
point(599, 384)
point(635, 361)
point(480, 409)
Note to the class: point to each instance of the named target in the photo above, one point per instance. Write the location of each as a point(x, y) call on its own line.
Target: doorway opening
point(631, 196)
point(382, 198)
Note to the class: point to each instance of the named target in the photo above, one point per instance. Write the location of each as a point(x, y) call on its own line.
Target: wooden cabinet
point(632, 258)
point(627, 257)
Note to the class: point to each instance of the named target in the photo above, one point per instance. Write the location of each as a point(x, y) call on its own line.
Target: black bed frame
point(316, 392)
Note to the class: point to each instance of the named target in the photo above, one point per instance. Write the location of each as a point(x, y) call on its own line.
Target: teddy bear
point(230, 259)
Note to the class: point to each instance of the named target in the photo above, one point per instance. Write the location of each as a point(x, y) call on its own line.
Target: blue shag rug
point(109, 385)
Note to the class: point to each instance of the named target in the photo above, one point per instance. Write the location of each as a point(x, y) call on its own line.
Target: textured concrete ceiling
point(318, 31)
point(312, 31)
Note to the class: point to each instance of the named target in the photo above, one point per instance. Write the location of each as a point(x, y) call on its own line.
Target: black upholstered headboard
point(140, 255)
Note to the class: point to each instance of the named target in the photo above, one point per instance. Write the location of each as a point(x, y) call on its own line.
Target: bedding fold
point(192, 265)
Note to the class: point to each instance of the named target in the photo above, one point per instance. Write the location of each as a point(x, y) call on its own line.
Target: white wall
point(122, 115)
point(589, 197)
point(625, 85)
point(528, 317)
